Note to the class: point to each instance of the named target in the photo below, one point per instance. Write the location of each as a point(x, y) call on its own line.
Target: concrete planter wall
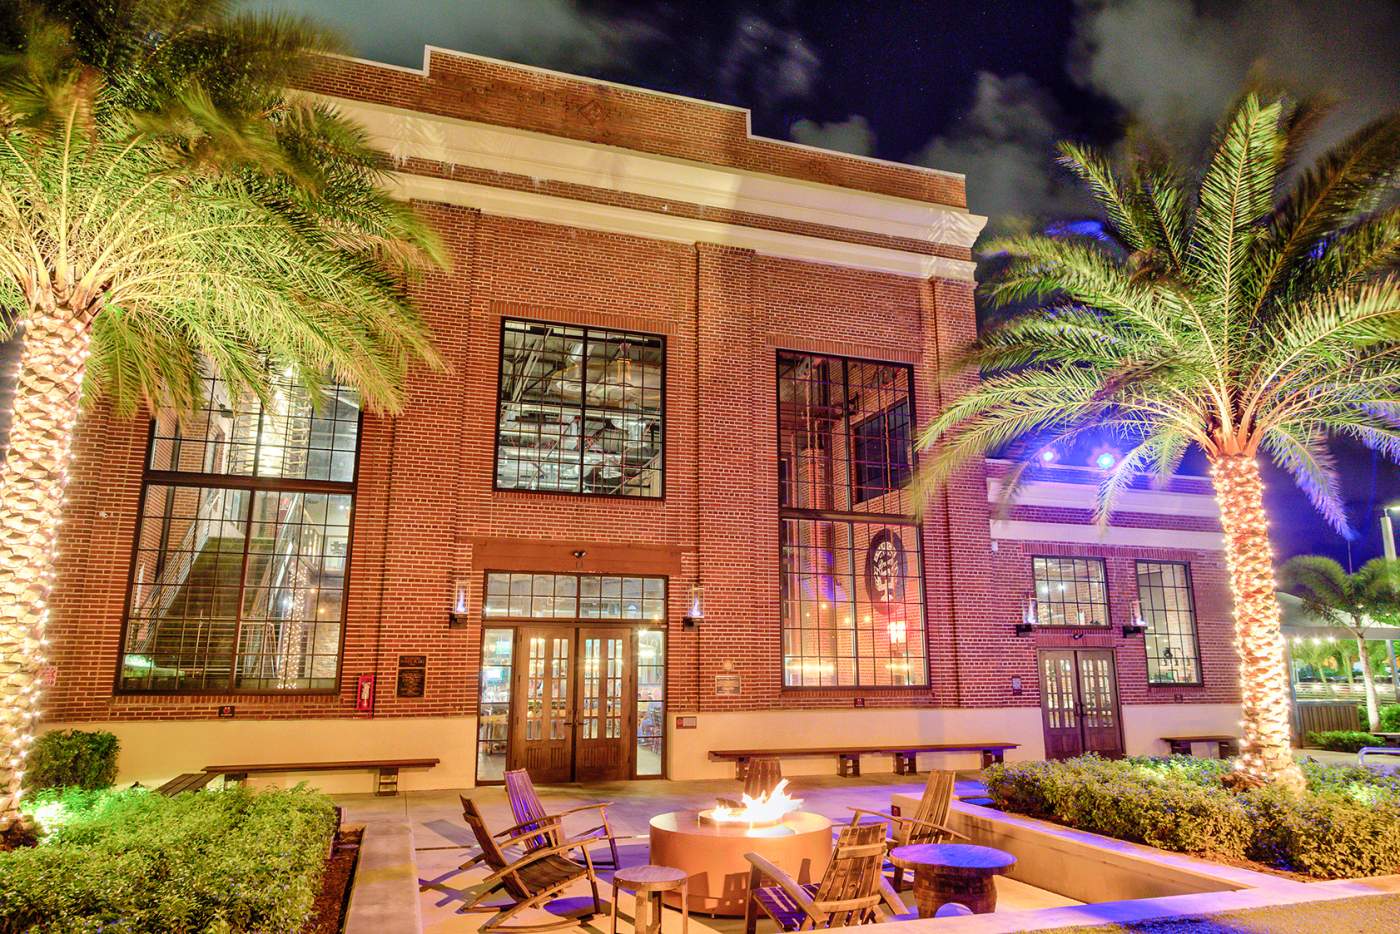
point(1088, 867)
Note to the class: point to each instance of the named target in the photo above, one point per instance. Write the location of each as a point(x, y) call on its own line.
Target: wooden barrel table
point(958, 873)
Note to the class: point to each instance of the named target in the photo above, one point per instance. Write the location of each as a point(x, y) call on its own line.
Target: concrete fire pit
point(712, 854)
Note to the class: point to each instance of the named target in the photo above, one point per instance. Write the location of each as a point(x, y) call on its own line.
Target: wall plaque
point(413, 676)
point(728, 685)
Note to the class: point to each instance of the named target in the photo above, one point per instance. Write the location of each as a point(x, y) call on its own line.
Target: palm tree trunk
point(32, 481)
point(1373, 701)
point(1266, 754)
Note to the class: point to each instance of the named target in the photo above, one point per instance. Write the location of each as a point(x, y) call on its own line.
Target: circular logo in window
point(884, 570)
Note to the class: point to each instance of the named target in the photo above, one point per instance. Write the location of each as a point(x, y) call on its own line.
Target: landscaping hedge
point(72, 759)
point(1343, 740)
point(1346, 824)
point(136, 862)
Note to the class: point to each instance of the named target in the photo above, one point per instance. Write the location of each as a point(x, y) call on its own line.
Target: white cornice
point(1084, 496)
point(1074, 533)
point(550, 209)
point(405, 134)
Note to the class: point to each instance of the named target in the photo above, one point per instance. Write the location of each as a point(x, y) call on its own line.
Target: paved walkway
point(440, 842)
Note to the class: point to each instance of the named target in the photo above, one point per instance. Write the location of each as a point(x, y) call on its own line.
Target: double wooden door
point(573, 716)
point(1079, 702)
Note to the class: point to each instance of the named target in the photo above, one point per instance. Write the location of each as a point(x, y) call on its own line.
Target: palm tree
point(1351, 601)
point(1248, 312)
point(168, 207)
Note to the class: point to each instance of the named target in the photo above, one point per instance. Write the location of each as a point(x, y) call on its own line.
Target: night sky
point(980, 88)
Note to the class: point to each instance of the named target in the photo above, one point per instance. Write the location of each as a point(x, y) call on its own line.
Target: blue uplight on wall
point(1105, 460)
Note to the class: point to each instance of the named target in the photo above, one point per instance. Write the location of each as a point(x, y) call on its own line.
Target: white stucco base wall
point(1144, 725)
point(154, 751)
point(777, 729)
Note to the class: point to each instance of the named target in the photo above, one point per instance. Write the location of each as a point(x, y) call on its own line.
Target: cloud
point(852, 135)
point(765, 64)
point(545, 33)
point(1176, 66)
point(1004, 143)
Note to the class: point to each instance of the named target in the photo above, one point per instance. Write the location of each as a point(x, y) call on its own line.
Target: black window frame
point(893, 475)
point(1195, 639)
point(1041, 604)
point(152, 477)
point(852, 516)
point(496, 486)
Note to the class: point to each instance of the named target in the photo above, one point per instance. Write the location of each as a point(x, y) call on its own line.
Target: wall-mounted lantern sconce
point(457, 613)
point(1028, 618)
point(695, 612)
point(1138, 626)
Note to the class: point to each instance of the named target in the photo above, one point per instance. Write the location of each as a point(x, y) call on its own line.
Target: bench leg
point(741, 769)
point(906, 763)
point(1178, 748)
point(850, 765)
point(992, 756)
point(1228, 748)
point(387, 782)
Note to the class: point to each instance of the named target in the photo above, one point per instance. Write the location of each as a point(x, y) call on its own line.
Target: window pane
point(297, 434)
point(573, 596)
point(852, 604)
point(845, 434)
point(651, 706)
point(1070, 592)
point(1164, 594)
point(580, 410)
point(493, 729)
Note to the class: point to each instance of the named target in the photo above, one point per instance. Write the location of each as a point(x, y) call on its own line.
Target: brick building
point(653, 507)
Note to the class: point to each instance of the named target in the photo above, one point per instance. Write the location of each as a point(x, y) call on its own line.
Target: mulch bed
point(329, 914)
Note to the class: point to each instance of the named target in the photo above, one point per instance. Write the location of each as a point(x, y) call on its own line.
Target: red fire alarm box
point(364, 694)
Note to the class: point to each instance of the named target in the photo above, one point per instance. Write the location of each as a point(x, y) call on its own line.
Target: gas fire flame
point(765, 809)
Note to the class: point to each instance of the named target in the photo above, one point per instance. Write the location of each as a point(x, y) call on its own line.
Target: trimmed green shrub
point(1346, 824)
point(1124, 800)
point(72, 759)
point(1390, 718)
point(1327, 835)
point(1343, 740)
point(136, 862)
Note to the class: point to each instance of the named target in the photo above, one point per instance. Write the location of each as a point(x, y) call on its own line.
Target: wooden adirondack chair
point(852, 891)
point(529, 810)
point(535, 878)
point(927, 825)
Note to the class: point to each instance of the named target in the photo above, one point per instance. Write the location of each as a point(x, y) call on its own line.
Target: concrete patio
point(422, 833)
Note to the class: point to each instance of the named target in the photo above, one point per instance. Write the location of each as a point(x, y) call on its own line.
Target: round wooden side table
point(648, 884)
point(954, 872)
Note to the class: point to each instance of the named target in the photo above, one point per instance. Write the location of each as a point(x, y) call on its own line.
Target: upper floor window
point(845, 434)
point(852, 600)
point(243, 544)
point(1070, 592)
point(1164, 594)
point(580, 410)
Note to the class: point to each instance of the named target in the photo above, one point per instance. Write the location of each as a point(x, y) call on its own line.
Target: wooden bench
point(848, 757)
point(190, 781)
point(1181, 745)
point(386, 783)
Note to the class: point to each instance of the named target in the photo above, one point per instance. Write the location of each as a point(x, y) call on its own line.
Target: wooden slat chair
point(537, 877)
point(761, 776)
point(529, 811)
point(852, 891)
point(928, 823)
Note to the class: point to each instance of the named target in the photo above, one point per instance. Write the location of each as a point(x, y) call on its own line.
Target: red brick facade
point(426, 514)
